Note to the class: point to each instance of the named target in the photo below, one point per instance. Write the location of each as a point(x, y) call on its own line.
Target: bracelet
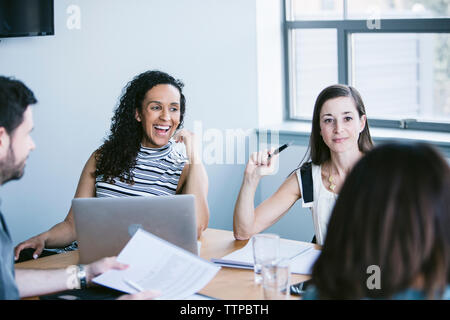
point(81, 274)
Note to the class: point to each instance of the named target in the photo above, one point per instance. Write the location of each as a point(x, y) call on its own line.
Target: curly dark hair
point(117, 156)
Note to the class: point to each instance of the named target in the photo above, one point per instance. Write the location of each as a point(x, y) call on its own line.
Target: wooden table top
point(228, 284)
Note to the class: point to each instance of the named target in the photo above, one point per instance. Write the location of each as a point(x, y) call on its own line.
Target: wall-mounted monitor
point(24, 18)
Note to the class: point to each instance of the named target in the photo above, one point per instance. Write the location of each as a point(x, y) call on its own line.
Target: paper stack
point(155, 264)
point(302, 256)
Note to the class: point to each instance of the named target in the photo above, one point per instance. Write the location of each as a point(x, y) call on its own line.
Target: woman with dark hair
point(138, 158)
point(392, 215)
point(339, 138)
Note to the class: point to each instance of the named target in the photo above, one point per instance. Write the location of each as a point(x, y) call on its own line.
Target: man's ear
point(137, 116)
point(5, 141)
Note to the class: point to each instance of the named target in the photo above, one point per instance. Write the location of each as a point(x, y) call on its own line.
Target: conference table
point(228, 284)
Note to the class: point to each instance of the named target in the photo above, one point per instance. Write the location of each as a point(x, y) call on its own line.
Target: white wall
point(270, 56)
point(227, 53)
point(78, 75)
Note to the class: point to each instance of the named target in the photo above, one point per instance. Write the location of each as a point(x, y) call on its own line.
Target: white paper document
point(155, 264)
point(302, 256)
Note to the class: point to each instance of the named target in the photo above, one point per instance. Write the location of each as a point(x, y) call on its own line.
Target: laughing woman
point(138, 158)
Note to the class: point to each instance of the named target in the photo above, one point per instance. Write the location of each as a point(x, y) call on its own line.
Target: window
point(395, 52)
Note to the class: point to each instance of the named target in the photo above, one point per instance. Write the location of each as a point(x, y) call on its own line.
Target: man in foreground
point(16, 124)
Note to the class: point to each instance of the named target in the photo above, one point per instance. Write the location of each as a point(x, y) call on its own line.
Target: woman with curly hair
point(138, 157)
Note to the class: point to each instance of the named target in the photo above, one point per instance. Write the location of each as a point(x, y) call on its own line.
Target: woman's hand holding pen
point(260, 165)
point(263, 163)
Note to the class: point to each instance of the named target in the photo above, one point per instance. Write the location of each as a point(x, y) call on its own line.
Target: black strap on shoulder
point(307, 182)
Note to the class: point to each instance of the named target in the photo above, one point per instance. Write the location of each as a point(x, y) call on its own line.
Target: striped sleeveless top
point(156, 173)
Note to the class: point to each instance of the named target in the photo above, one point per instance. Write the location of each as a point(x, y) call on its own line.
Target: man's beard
point(9, 170)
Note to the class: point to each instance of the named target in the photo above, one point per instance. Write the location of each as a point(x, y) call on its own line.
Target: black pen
point(277, 151)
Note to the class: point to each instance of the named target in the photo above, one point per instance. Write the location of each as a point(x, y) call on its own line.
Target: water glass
point(266, 247)
point(276, 278)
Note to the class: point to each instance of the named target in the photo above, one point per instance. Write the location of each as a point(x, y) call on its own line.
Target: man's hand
point(101, 266)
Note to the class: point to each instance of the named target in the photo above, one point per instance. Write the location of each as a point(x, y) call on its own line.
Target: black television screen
point(22, 18)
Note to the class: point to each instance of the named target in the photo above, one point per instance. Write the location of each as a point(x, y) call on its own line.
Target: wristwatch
point(81, 274)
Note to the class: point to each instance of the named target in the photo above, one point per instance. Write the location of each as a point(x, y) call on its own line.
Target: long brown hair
point(317, 149)
point(393, 212)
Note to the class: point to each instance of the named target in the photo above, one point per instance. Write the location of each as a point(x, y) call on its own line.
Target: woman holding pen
point(340, 137)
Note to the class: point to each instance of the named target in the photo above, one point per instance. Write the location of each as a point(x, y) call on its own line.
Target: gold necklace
point(331, 181)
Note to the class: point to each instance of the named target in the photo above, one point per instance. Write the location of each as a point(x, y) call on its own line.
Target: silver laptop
point(105, 225)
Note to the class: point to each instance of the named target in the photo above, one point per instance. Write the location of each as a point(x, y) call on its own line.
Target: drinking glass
point(266, 247)
point(276, 276)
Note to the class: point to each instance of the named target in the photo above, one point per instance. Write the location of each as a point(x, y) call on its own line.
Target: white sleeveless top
point(322, 205)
